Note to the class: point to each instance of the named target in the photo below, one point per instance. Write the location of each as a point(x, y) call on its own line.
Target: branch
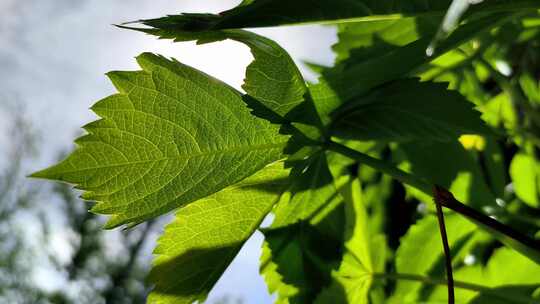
point(506, 234)
point(446, 246)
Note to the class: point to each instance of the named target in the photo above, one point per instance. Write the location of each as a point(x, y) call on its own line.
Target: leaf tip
point(43, 174)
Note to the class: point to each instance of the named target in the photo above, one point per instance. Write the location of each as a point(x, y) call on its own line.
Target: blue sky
point(54, 55)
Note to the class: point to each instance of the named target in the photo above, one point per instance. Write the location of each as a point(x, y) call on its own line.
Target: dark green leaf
point(312, 190)
point(451, 166)
point(263, 13)
point(352, 281)
point(358, 74)
point(408, 110)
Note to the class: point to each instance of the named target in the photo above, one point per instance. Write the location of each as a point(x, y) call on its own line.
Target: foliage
point(455, 106)
point(86, 268)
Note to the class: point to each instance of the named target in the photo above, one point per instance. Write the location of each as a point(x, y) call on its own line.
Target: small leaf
point(524, 174)
point(530, 87)
point(201, 242)
point(408, 110)
point(171, 136)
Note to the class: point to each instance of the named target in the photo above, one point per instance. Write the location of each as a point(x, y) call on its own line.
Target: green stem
point(447, 256)
point(459, 284)
point(382, 166)
point(506, 234)
point(428, 280)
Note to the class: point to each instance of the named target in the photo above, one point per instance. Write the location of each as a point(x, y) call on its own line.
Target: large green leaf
point(272, 78)
point(263, 13)
point(172, 135)
point(206, 235)
point(406, 110)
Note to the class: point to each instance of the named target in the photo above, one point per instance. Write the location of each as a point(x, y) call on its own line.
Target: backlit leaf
point(172, 135)
point(407, 110)
point(524, 174)
point(201, 242)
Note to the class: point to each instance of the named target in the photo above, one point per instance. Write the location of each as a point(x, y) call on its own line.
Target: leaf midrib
point(189, 156)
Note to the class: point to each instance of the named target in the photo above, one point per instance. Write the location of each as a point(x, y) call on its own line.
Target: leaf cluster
point(333, 159)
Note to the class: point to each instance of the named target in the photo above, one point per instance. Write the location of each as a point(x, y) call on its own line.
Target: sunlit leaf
point(201, 242)
point(172, 135)
point(524, 174)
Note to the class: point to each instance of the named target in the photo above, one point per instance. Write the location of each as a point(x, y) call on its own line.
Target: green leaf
point(412, 259)
point(524, 174)
point(272, 77)
point(506, 295)
point(312, 190)
point(171, 136)
point(508, 277)
point(263, 13)
point(499, 112)
point(352, 282)
point(297, 260)
point(201, 242)
point(530, 87)
point(363, 40)
point(450, 166)
point(408, 110)
point(358, 74)
point(303, 244)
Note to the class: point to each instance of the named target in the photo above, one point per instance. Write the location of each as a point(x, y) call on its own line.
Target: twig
point(438, 192)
